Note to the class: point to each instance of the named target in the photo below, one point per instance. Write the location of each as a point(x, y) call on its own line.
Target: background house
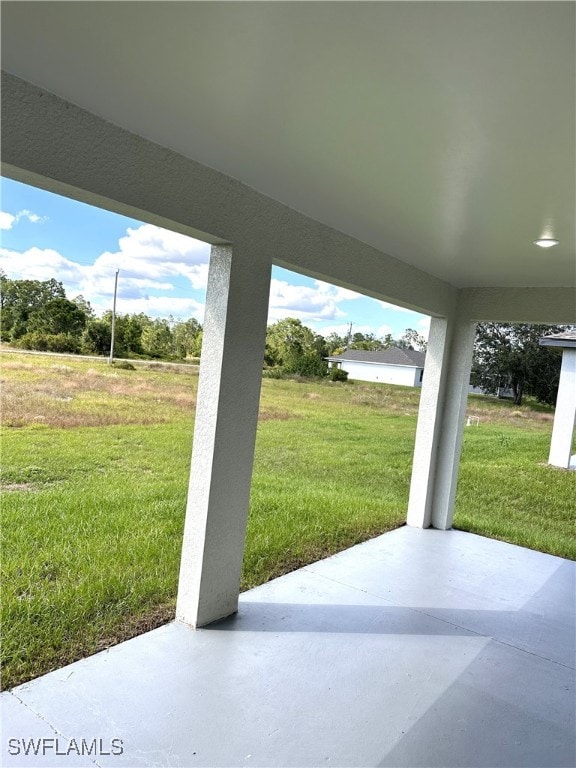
point(388, 366)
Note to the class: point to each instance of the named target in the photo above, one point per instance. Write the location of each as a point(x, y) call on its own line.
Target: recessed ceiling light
point(546, 242)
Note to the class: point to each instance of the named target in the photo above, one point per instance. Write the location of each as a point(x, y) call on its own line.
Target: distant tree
point(96, 337)
point(128, 331)
point(157, 339)
point(184, 337)
point(137, 334)
point(370, 342)
point(295, 348)
point(411, 339)
point(85, 306)
point(509, 355)
point(319, 344)
point(20, 299)
point(57, 316)
point(131, 328)
point(335, 343)
point(197, 346)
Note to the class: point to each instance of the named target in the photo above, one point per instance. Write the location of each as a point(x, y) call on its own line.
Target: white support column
point(427, 428)
point(440, 423)
point(565, 416)
point(224, 436)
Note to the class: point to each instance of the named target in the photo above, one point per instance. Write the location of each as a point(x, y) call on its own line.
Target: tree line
point(294, 349)
point(36, 314)
point(509, 355)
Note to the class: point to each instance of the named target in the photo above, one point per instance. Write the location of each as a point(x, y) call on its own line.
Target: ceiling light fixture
point(546, 242)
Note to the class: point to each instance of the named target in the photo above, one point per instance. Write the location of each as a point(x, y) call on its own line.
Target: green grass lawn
point(95, 469)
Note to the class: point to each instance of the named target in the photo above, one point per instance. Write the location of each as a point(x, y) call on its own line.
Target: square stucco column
point(565, 416)
point(440, 423)
point(224, 436)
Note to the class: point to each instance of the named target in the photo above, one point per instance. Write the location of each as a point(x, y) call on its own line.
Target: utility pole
point(349, 336)
point(111, 359)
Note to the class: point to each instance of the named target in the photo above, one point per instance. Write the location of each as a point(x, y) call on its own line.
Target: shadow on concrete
point(544, 625)
point(502, 712)
point(318, 618)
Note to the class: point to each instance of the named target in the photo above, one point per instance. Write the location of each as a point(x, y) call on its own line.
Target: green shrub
point(63, 342)
point(49, 342)
point(337, 374)
point(32, 341)
point(274, 372)
point(124, 364)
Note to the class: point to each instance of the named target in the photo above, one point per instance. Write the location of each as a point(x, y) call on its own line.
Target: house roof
point(391, 356)
point(563, 339)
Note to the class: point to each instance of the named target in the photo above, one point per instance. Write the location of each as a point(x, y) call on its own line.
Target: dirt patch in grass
point(16, 366)
point(507, 415)
point(18, 487)
point(405, 403)
point(548, 417)
point(192, 368)
point(133, 626)
point(69, 399)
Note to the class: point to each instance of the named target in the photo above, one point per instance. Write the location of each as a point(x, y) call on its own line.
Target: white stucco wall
point(565, 416)
point(61, 147)
point(407, 375)
point(56, 145)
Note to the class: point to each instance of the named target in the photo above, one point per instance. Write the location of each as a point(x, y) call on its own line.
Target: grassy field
point(94, 476)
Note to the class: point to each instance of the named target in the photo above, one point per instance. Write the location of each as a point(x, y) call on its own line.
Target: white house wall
point(382, 373)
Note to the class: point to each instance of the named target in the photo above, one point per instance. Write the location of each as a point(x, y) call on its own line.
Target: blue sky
point(162, 273)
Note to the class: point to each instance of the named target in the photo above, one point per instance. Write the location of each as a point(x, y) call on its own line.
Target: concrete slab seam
point(445, 621)
point(48, 723)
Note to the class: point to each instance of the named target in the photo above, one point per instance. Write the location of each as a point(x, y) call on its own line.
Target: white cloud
point(337, 293)
point(7, 220)
point(154, 253)
point(32, 217)
point(150, 259)
point(383, 331)
point(161, 306)
point(157, 261)
point(40, 264)
point(307, 303)
point(424, 326)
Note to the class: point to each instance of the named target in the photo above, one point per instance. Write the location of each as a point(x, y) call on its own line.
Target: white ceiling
point(443, 133)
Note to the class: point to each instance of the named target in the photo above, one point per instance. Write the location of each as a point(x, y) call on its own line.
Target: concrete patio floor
point(418, 648)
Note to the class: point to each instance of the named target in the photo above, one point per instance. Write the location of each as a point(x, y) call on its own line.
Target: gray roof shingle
point(391, 356)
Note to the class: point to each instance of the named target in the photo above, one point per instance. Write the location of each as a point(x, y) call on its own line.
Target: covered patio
point(418, 648)
point(412, 152)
